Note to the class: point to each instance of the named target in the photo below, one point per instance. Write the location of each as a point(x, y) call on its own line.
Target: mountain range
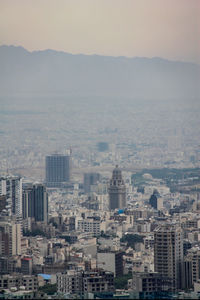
point(51, 71)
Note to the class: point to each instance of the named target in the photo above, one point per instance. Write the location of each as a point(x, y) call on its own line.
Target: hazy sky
point(165, 28)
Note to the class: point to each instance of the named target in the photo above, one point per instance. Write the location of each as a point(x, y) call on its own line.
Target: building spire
point(117, 190)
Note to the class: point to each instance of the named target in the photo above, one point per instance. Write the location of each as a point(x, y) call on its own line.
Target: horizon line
point(102, 55)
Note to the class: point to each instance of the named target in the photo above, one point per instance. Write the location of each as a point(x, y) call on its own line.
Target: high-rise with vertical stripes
point(58, 169)
point(168, 253)
point(35, 203)
point(11, 186)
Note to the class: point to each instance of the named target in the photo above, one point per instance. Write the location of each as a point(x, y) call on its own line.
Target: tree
point(34, 233)
point(49, 289)
point(121, 282)
point(131, 239)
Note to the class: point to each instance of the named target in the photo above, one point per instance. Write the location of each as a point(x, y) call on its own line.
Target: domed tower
point(117, 190)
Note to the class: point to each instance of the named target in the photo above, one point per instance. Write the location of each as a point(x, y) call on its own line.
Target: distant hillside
point(58, 72)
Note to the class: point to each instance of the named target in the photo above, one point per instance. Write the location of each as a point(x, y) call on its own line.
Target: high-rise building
point(27, 203)
point(3, 202)
point(168, 253)
point(102, 146)
point(26, 265)
point(187, 273)
point(156, 201)
point(91, 203)
point(58, 169)
point(35, 203)
point(90, 179)
point(10, 238)
point(2, 186)
point(193, 257)
point(117, 190)
point(12, 187)
point(40, 203)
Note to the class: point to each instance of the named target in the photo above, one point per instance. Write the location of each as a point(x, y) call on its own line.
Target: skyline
point(99, 149)
point(155, 28)
point(100, 55)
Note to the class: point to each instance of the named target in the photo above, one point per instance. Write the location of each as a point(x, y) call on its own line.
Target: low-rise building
point(149, 283)
point(30, 282)
point(98, 282)
point(91, 224)
point(69, 282)
point(76, 282)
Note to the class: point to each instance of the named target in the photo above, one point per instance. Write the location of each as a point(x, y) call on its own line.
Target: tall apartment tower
point(193, 260)
point(40, 203)
point(12, 187)
point(90, 179)
point(117, 190)
point(10, 238)
point(35, 203)
point(27, 203)
point(58, 168)
point(3, 203)
point(156, 201)
point(168, 253)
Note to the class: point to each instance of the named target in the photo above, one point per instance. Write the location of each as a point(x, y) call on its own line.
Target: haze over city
point(168, 29)
point(99, 149)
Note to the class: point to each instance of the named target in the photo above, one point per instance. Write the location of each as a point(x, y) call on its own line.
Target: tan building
point(111, 261)
point(148, 283)
point(75, 282)
point(69, 282)
point(16, 281)
point(193, 257)
point(10, 238)
point(168, 253)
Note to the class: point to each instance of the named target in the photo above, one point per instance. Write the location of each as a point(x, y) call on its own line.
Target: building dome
point(117, 174)
point(117, 179)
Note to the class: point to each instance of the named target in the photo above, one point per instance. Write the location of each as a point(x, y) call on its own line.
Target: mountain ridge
point(52, 70)
point(53, 51)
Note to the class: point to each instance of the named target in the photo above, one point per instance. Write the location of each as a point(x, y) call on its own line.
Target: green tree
point(34, 233)
point(122, 281)
point(49, 289)
point(131, 239)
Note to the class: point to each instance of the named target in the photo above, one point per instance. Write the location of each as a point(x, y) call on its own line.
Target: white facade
point(2, 186)
point(16, 239)
point(12, 187)
point(70, 282)
point(159, 203)
point(89, 225)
